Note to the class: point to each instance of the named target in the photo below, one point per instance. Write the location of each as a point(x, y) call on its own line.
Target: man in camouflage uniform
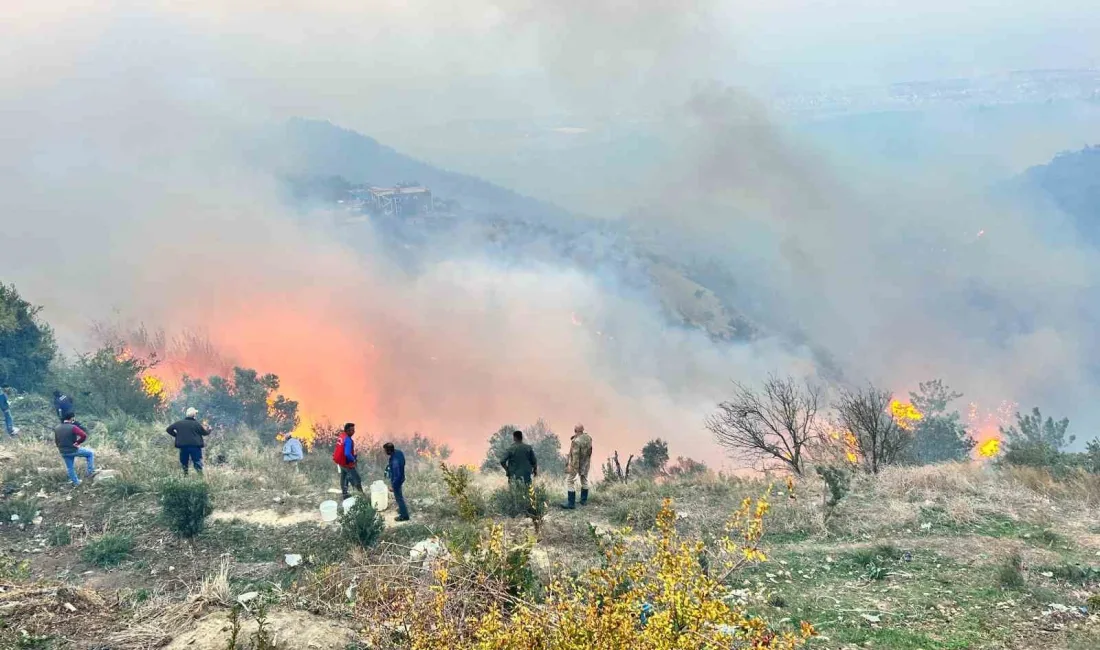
point(578, 464)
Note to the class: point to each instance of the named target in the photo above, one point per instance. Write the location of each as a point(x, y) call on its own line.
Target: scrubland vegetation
point(856, 543)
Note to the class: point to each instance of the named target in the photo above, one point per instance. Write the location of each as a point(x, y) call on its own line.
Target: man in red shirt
point(68, 436)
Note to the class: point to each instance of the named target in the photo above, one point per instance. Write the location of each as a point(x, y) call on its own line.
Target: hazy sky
point(399, 61)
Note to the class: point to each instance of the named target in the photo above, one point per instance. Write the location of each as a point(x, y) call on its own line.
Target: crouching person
point(68, 437)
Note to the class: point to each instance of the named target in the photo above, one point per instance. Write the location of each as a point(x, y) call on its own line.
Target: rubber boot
point(584, 496)
point(571, 502)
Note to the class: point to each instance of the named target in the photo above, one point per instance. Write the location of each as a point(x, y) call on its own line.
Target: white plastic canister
point(379, 496)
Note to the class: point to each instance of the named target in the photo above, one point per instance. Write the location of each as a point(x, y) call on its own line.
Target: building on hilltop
point(401, 201)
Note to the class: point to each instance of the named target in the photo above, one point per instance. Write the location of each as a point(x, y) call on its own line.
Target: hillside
point(317, 148)
point(1071, 182)
point(932, 558)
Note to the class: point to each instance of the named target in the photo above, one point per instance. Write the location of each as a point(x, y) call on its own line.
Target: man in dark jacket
point(395, 470)
point(63, 404)
point(519, 462)
point(189, 434)
point(68, 436)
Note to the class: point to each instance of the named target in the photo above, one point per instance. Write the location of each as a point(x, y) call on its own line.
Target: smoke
point(127, 188)
point(127, 193)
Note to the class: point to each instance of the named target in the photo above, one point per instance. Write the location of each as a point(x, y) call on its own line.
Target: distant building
point(401, 201)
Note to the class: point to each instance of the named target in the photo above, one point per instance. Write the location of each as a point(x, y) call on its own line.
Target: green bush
point(1010, 574)
point(108, 550)
point(60, 535)
point(23, 507)
point(26, 342)
point(185, 505)
point(468, 500)
point(361, 523)
point(518, 500)
point(640, 513)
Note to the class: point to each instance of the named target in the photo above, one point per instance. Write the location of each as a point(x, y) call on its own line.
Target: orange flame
point(989, 448)
point(905, 414)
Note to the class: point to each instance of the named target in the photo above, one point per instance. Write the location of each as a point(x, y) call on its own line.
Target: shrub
point(640, 513)
point(26, 343)
point(246, 399)
point(185, 505)
point(60, 535)
point(1010, 574)
point(838, 482)
point(688, 605)
point(362, 524)
point(26, 509)
point(108, 550)
point(469, 503)
point(655, 456)
point(520, 500)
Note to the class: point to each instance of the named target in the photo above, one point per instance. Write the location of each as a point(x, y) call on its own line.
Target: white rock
point(247, 597)
point(292, 559)
point(15, 517)
point(427, 549)
point(69, 606)
point(871, 617)
point(37, 521)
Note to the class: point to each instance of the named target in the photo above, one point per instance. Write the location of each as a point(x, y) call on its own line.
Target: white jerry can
point(379, 496)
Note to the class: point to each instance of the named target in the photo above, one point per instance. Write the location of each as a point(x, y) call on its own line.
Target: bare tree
point(865, 412)
point(777, 423)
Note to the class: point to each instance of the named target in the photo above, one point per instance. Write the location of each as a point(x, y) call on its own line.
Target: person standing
point(63, 404)
point(395, 470)
point(68, 437)
point(293, 452)
point(578, 464)
point(189, 434)
point(345, 458)
point(9, 424)
point(519, 462)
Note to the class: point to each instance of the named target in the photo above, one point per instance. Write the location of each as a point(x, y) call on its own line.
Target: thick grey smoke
point(126, 188)
point(128, 193)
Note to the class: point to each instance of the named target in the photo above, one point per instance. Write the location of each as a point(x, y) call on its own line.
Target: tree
point(248, 399)
point(111, 380)
point(938, 436)
point(545, 442)
point(1032, 430)
point(27, 344)
point(879, 440)
point(776, 424)
point(655, 456)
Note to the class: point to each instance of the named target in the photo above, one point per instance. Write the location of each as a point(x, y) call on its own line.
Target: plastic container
point(379, 496)
point(347, 503)
point(328, 511)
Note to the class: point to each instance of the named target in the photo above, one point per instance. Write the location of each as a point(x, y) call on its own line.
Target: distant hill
point(324, 150)
point(1071, 182)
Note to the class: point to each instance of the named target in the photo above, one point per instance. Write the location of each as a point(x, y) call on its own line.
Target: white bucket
point(348, 503)
point(328, 511)
point(379, 496)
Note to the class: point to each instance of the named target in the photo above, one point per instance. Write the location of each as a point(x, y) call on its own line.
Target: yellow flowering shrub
point(663, 591)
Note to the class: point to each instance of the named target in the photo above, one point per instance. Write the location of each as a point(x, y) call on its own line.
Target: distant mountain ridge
point(320, 148)
point(1071, 182)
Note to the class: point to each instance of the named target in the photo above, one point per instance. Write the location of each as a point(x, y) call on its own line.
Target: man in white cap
point(189, 434)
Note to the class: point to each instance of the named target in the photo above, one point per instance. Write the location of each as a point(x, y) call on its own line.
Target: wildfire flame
point(154, 387)
point(989, 448)
point(905, 414)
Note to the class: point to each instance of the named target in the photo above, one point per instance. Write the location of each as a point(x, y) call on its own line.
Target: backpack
point(338, 456)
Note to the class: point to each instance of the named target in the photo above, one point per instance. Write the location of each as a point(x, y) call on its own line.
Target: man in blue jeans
point(189, 435)
point(396, 471)
point(68, 437)
point(9, 425)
